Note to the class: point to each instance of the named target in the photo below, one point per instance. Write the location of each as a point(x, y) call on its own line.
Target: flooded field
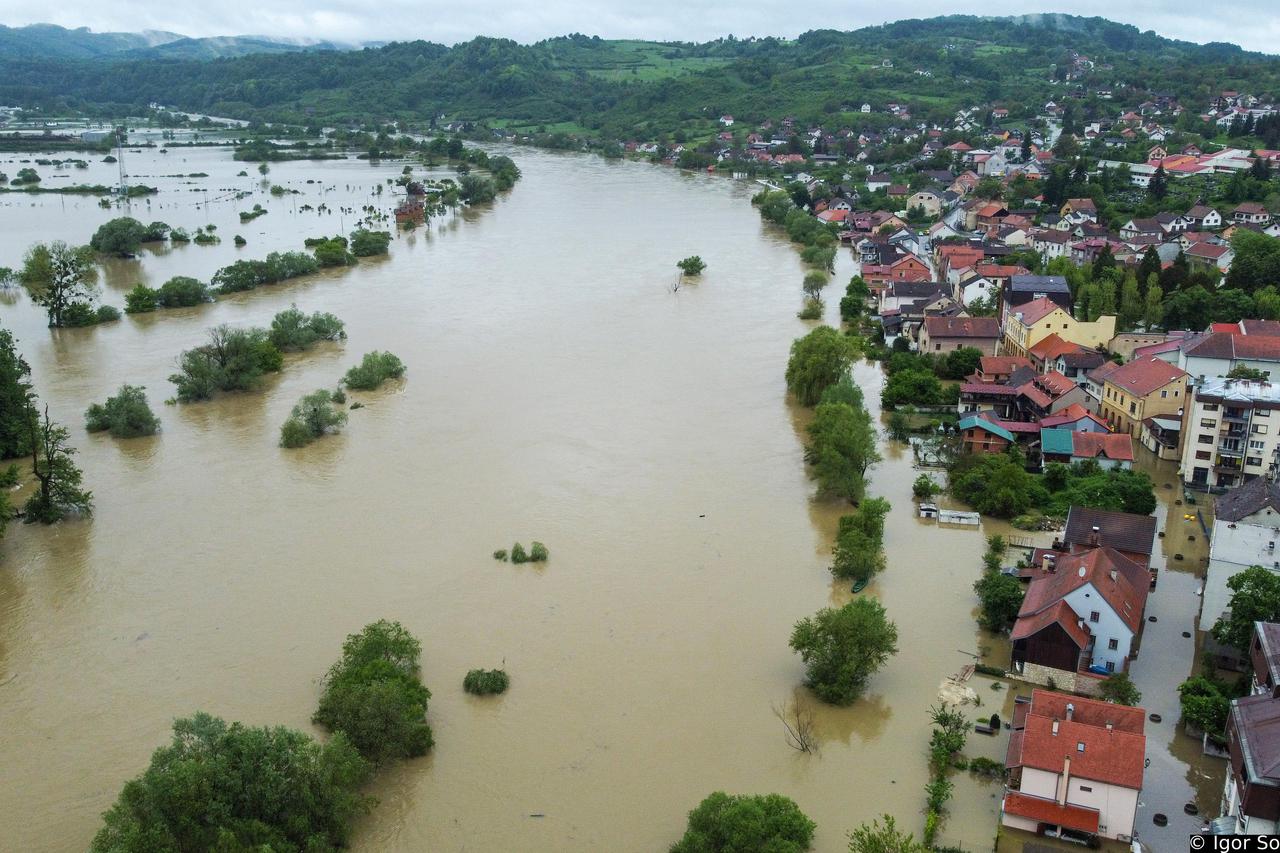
point(558, 388)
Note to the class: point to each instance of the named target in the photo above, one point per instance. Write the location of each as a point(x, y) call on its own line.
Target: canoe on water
point(861, 584)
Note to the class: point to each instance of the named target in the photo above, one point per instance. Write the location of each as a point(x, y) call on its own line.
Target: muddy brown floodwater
point(557, 389)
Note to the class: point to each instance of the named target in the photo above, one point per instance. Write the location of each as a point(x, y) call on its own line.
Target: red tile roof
point(1122, 583)
point(1112, 755)
point(987, 388)
point(1035, 395)
point(1048, 811)
point(1253, 345)
point(1055, 384)
point(1143, 376)
point(1000, 270)
point(1001, 363)
point(1208, 250)
point(1072, 414)
point(962, 327)
point(1060, 613)
point(1052, 346)
point(1094, 445)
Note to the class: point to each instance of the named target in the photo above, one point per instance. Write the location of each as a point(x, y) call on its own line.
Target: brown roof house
point(947, 334)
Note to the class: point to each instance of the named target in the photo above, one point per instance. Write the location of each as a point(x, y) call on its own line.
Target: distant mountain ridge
point(49, 41)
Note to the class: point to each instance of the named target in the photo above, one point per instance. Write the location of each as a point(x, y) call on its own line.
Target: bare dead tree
point(799, 724)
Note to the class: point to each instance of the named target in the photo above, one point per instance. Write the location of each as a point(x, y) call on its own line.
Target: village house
point(1075, 767)
point(1078, 210)
point(1250, 212)
point(1028, 324)
point(1251, 792)
point(1046, 352)
point(997, 368)
point(1081, 618)
point(1204, 218)
point(1162, 435)
point(1232, 432)
point(1141, 389)
point(1076, 418)
point(1132, 535)
point(1210, 256)
point(1022, 289)
point(927, 200)
point(1108, 450)
point(983, 435)
point(947, 334)
point(1253, 345)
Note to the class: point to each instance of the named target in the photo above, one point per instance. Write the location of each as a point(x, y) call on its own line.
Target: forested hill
point(623, 89)
point(50, 42)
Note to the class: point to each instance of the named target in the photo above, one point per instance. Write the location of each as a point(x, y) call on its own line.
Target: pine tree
point(1159, 186)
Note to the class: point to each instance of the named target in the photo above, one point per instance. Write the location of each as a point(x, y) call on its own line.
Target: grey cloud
point(1253, 24)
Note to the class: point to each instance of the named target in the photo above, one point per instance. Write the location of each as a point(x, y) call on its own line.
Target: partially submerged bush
point(126, 415)
point(500, 554)
point(374, 369)
point(486, 682)
point(141, 300)
point(313, 417)
point(538, 553)
point(373, 694)
point(292, 330)
point(518, 554)
point(365, 243)
point(182, 291)
point(232, 360)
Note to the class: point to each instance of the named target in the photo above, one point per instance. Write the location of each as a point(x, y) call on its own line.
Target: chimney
point(1093, 536)
point(1110, 727)
point(1071, 711)
point(1048, 562)
point(1055, 728)
point(1113, 575)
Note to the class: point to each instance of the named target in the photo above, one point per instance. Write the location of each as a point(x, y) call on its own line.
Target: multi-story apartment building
point(1232, 432)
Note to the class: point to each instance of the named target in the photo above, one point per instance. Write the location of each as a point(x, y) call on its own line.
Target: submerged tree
point(692, 265)
point(313, 417)
point(373, 695)
point(843, 647)
point(16, 412)
point(59, 278)
point(742, 823)
point(59, 493)
point(228, 786)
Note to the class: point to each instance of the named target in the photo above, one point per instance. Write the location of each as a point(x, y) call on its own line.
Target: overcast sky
point(1253, 24)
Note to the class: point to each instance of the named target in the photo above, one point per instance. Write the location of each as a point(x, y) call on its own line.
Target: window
point(1086, 789)
point(1210, 407)
point(1205, 439)
point(1111, 667)
point(1262, 413)
point(1133, 408)
point(1260, 429)
point(1164, 394)
point(1113, 644)
point(1079, 746)
point(1203, 454)
point(1257, 445)
point(1254, 460)
point(937, 347)
point(1095, 616)
point(1208, 423)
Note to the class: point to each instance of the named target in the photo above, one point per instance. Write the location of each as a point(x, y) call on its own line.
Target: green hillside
point(625, 89)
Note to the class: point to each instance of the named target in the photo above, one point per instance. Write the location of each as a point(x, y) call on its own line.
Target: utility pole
point(123, 190)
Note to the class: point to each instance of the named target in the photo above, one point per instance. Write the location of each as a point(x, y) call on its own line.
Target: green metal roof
point(982, 423)
point(1056, 441)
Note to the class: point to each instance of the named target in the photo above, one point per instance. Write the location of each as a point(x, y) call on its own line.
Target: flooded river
point(558, 389)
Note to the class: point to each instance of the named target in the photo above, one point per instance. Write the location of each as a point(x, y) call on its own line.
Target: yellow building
point(1027, 324)
point(1142, 389)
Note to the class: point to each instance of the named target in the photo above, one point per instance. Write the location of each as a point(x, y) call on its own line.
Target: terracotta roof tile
point(1112, 755)
point(1121, 582)
point(1093, 445)
point(1036, 310)
point(1043, 810)
point(1143, 376)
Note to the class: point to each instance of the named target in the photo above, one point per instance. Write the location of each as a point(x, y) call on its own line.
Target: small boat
point(860, 584)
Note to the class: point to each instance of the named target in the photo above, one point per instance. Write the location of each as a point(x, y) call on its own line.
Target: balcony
point(1236, 416)
point(1228, 449)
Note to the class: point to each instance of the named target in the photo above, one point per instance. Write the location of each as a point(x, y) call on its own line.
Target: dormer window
point(1080, 746)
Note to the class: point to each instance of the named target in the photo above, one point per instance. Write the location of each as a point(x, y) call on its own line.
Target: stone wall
point(1067, 682)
